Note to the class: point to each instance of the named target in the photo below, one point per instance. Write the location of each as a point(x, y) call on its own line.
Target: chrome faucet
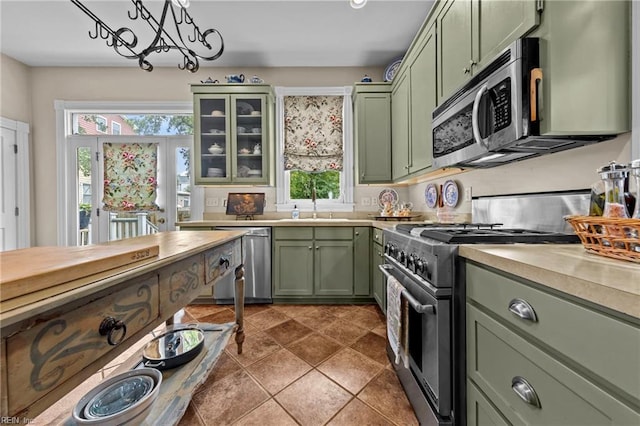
point(313, 198)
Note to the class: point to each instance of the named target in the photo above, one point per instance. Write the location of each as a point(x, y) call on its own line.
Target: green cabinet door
point(400, 128)
point(499, 23)
point(361, 265)
point(423, 101)
point(480, 411)
point(454, 46)
point(378, 280)
point(333, 261)
point(293, 268)
point(373, 136)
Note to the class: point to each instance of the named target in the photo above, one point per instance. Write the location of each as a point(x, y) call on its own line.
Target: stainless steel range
point(423, 258)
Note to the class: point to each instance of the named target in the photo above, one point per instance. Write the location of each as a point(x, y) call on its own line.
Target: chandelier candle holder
point(179, 33)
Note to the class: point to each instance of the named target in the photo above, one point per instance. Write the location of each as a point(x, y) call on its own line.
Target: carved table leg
point(239, 307)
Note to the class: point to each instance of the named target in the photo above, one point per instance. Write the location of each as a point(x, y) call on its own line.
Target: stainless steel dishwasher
point(256, 252)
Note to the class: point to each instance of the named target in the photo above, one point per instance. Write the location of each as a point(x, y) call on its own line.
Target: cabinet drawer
point(45, 356)
point(333, 233)
point(221, 261)
point(605, 346)
point(292, 233)
point(496, 357)
point(180, 283)
point(377, 235)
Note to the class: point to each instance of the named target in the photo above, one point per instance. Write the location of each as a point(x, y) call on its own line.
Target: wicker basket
point(611, 237)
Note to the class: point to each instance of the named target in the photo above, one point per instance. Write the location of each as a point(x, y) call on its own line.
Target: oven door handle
point(474, 117)
point(421, 309)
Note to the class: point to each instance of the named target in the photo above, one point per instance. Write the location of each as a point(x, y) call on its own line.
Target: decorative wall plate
point(431, 195)
point(391, 69)
point(388, 195)
point(450, 193)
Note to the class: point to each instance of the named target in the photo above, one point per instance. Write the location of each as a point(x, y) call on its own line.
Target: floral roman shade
point(130, 177)
point(313, 133)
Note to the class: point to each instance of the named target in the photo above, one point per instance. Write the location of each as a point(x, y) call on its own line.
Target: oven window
point(454, 134)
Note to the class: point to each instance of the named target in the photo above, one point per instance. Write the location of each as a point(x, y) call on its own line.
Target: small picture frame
point(245, 203)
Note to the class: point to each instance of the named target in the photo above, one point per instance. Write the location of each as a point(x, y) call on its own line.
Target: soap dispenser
point(295, 213)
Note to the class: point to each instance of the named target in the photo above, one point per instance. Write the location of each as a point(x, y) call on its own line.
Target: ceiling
point(265, 33)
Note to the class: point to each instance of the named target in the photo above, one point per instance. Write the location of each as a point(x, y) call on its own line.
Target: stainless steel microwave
point(494, 118)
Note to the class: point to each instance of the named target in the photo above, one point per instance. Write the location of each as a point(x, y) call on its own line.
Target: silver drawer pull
point(523, 310)
point(525, 391)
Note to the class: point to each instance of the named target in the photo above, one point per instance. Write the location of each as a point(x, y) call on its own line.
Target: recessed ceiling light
point(357, 4)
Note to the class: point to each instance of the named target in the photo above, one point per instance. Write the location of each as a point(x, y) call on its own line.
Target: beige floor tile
point(373, 346)
point(191, 417)
point(358, 413)
point(288, 332)
point(227, 400)
point(198, 311)
point(344, 331)
point(316, 319)
point(366, 319)
point(278, 370)
point(313, 399)
point(350, 369)
point(385, 394)
point(268, 414)
point(315, 348)
point(266, 319)
point(255, 347)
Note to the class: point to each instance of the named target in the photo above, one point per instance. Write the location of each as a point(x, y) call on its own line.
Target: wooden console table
point(51, 337)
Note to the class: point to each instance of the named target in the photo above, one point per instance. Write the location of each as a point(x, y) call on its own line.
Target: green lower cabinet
point(293, 268)
point(378, 281)
point(321, 264)
point(480, 411)
point(333, 262)
point(361, 269)
point(529, 386)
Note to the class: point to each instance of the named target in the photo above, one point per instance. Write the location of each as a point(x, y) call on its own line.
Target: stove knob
point(421, 266)
point(401, 257)
point(387, 248)
point(411, 262)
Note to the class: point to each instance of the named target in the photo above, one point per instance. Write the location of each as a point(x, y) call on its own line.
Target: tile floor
point(301, 364)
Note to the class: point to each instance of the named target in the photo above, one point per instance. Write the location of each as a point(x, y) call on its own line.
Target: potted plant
point(85, 215)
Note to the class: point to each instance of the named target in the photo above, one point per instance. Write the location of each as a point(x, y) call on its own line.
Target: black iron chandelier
point(125, 41)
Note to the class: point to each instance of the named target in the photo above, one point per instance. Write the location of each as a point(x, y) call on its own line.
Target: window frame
point(344, 202)
point(113, 128)
point(106, 125)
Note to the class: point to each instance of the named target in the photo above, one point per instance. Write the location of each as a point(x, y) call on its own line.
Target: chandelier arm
point(159, 43)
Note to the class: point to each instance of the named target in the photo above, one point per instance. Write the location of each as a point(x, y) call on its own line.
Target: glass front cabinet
point(232, 133)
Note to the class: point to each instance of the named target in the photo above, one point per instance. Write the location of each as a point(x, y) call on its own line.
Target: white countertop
point(569, 268)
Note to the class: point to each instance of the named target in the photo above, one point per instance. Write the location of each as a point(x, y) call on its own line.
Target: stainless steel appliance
point(423, 258)
point(257, 268)
point(494, 118)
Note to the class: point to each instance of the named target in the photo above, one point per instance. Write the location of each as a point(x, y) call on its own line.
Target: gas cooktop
point(487, 233)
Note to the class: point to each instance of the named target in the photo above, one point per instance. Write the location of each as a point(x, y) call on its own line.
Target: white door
point(86, 180)
point(8, 190)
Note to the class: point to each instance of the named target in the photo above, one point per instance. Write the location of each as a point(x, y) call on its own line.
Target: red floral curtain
point(313, 133)
point(130, 177)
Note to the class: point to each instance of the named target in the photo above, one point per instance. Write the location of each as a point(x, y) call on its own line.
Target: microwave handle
point(474, 117)
point(536, 77)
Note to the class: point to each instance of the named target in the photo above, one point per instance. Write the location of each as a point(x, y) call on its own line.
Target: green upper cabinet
point(412, 103)
point(372, 115)
point(454, 46)
point(400, 127)
point(499, 24)
point(422, 72)
point(472, 32)
point(585, 59)
point(232, 133)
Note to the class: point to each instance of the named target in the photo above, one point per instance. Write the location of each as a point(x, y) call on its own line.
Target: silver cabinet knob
point(317, 248)
point(522, 309)
point(310, 247)
point(466, 70)
point(525, 391)
point(357, 233)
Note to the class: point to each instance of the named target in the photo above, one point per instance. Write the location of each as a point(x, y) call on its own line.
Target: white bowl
point(216, 150)
point(134, 412)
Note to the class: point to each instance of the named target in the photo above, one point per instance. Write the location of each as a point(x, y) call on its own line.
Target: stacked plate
point(215, 172)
